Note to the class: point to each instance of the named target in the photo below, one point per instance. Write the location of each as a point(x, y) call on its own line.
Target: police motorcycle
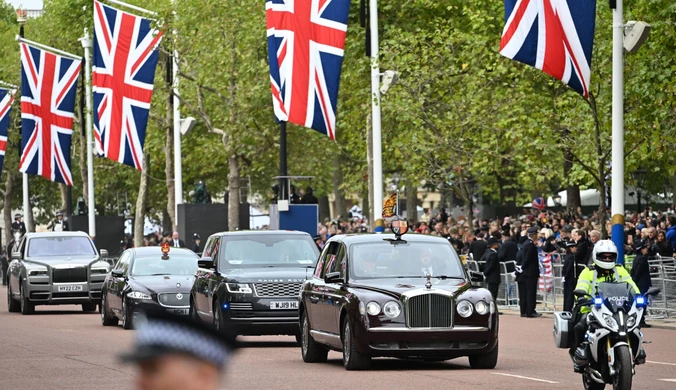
point(613, 334)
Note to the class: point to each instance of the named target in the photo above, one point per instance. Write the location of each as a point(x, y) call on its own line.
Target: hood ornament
point(428, 283)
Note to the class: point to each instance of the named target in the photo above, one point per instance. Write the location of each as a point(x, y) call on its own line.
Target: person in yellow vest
point(603, 269)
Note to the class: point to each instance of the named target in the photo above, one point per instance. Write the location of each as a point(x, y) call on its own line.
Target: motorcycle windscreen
point(616, 296)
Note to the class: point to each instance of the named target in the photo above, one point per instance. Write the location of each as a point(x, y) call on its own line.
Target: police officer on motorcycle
point(603, 269)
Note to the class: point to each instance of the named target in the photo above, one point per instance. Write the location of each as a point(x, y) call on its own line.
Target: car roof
point(56, 234)
point(262, 233)
point(359, 238)
point(157, 250)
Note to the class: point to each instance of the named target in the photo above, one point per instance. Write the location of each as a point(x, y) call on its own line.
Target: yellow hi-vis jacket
point(589, 279)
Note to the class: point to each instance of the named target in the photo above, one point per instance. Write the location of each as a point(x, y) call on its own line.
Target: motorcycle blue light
point(226, 306)
point(640, 301)
point(598, 301)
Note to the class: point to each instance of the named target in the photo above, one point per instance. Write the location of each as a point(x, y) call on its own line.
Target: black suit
point(531, 274)
point(477, 248)
point(569, 273)
point(181, 244)
point(507, 251)
point(640, 273)
point(19, 226)
point(492, 272)
point(521, 281)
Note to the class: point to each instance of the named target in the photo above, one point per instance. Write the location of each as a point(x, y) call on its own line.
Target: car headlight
point(465, 308)
point(631, 321)
point(38, 272)
point(99, 271)
point(138, 295)
point(482, 308)
point(392, 309)
point(373, 308)
point(239, 288)
point(610, 321)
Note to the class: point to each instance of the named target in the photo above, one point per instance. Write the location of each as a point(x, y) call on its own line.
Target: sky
point(27, 4)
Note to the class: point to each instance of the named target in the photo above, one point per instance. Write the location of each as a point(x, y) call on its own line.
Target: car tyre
point(487, 361)
point(193, 312)
point(13, 306)
point(127, 317)
point(106, 318)
point(219, 323)
point(311, 351)
point(89, 307)
point(27, 307)
point(352, 359)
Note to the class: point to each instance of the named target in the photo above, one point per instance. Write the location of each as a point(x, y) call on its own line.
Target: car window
point(123, 263)
point(154, 265)
point(325, 261)
point(208, 247)
point(339, 262)
point(267, 250)
point(60, 246)
point(215, 251)
point(413, 259)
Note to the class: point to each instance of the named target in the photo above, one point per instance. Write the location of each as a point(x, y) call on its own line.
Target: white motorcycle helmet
point(605, 254)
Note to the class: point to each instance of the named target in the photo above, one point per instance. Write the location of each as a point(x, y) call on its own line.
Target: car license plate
point(284, 305)
point(183, 312)
point(75, 287)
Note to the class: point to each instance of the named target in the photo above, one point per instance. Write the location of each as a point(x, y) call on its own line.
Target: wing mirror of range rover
point(206, 263)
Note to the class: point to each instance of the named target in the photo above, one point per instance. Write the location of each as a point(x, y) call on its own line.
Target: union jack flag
point(6, 100)
point(555, 36)
point(48, 87)
point(305, 51)
point(125, 59)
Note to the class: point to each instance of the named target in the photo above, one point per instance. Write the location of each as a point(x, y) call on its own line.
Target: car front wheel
point(106, 318)
point(352, 359)
point(219, 323)
point(311, 351)
point(12, 305)
point(27, 307)
point(127, 319)
point(487, 361)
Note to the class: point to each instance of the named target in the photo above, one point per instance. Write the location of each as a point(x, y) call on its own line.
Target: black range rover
point(248, 282)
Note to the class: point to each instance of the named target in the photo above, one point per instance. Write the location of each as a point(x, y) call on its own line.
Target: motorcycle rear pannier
point(563, 329)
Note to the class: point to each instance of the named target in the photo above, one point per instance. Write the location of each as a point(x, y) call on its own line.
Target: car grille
point(429, 311)
point(277, 290)
point(69, 275)
point(174, 299)
point(241, 306)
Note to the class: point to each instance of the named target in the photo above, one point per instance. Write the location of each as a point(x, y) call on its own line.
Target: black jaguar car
point(161, 276)
point(248, 282)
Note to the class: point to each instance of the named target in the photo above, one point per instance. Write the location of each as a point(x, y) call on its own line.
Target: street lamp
point(21, 18)
point(639, 177)
point(557, 200)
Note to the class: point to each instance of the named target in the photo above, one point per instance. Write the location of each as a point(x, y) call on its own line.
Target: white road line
point(669, 380)
point(525, 377)
point(666, 364)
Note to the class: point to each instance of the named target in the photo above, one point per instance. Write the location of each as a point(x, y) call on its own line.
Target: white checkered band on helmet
point(182, 338)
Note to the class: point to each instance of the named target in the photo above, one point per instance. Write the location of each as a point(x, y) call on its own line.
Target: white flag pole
point(375, 108)
point(132, 7)
point(617, 174)
point(87, 45)
point(49, 48)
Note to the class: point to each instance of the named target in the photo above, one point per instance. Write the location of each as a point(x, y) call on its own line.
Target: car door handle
point(314, 298)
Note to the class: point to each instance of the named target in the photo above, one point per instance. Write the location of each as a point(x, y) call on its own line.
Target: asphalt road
point(60, 347)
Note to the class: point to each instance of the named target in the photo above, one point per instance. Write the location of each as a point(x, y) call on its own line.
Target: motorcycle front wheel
point(623, 368)
point(590, 384)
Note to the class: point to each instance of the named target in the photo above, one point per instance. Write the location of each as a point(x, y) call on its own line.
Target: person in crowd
point(492, 267)
point(176, 242)
point(508, 248)
point(18, 224)
point(173, 352)
point(584, 248)
point(478, 246)
point(196, 243)
point(661, 246)
point(569, 274)
point(308, 198)
point(640, 271)
point(294, 198)
point(531, 272)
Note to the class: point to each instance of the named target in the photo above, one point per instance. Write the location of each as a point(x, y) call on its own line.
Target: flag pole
point(49, 48)
point(87, 45)
point(24, 182)
point(284, 194)
point(122, 3)
point(375, 108)
point(617, 203)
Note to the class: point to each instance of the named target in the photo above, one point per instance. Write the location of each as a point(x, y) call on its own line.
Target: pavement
point(60, 347)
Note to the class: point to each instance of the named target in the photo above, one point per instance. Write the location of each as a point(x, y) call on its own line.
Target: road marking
point(666, 364)
point(525, 377)
point(669, 380)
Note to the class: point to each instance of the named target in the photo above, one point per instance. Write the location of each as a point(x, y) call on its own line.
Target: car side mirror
point(476, 277)
point(652, 291)
point(16, 255)
point(117, 273)
point(333, 277)
point(205, 262)
point(104, 253)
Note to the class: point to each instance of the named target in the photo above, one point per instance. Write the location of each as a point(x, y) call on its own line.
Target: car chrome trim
point(457, 328)
point(324, 335)
point(266, 319)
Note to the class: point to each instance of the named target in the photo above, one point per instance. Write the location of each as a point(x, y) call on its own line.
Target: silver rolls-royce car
point(56, 268)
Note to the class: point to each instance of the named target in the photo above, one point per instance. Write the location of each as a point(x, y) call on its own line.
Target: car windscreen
point(155, 265)
point(385, 259)
point(273, 250)
point(60, 246)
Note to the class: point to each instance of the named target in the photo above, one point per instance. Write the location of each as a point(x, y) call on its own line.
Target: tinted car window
point(267, 250)
point(60, 246)
point(183, 264)
point(413, 259)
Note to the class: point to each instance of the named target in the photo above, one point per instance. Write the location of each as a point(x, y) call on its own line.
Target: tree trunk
point(341, 208)
point(573, 199)
point(169, 169)
point(411, 200)
point(64, 196)
point(233, 192)
point(324, 208)
point(141, 203)
point(7, 206)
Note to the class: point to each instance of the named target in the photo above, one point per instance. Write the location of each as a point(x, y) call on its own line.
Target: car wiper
point(158, 274)
point(444, 277)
